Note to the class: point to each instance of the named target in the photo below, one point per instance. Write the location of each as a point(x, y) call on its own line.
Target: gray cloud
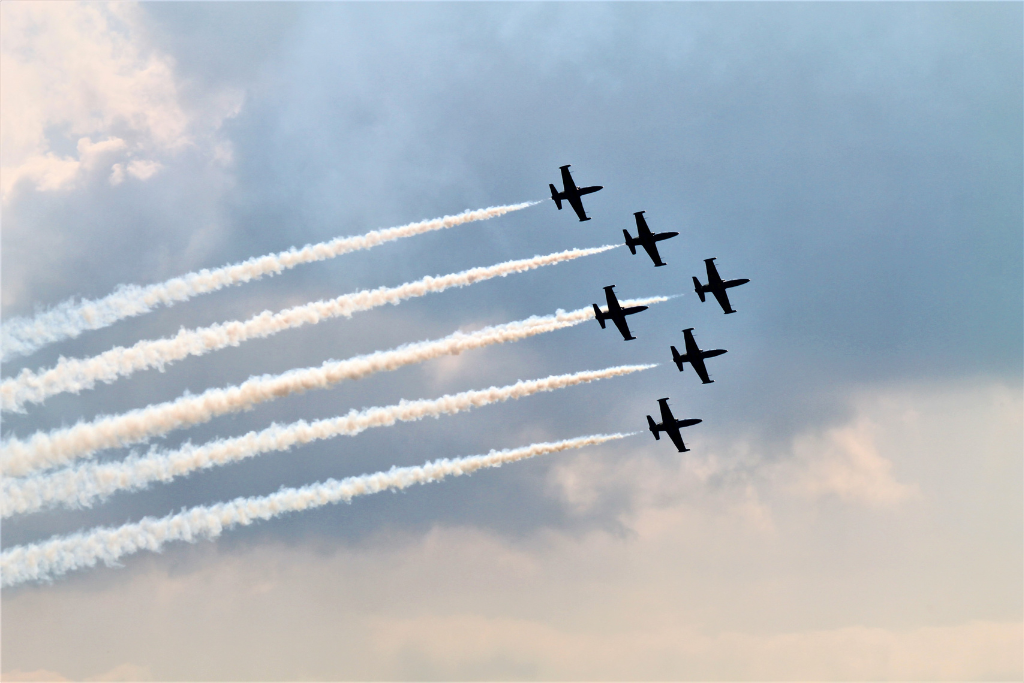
point(860, 163)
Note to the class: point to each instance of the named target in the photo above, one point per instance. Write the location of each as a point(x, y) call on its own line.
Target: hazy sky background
point(852, 505)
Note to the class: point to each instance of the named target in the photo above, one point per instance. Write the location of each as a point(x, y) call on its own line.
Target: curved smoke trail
point(22, 336)
point(78, 374)
point(63, 554)
point(81, 486)
point(61, 446)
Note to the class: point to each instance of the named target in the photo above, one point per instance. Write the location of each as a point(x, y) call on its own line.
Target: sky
point(852, 503)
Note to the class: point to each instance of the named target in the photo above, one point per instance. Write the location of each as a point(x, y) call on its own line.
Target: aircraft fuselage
point(571, 193)
point(670, 425)
point(717, 286)
point(646, 239)
point(695, 356)
point(616, 313)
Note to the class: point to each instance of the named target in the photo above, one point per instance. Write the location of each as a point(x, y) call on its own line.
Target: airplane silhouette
point(571, 193)
point(717, 286)
point(670, 425)
point(617, 314)
point(645, 239)
point(695, 356)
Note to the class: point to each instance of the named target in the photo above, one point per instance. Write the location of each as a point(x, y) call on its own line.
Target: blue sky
point(855, 485)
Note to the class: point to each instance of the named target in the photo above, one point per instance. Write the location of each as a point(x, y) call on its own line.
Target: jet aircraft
point(646, 239)
point(670, 425)
point(571, 193)
point(616, 313)
point(695, 356)
point(717, 286)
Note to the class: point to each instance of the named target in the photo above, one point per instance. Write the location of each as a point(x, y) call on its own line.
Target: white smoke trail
point(81, 486)
point(74, 374)
point(60, 446)
point(22, 336)
point(63, 554)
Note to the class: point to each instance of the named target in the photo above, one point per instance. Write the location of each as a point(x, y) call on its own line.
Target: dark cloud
point(860, 163)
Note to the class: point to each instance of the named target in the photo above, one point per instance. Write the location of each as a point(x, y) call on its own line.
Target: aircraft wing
point(698, 365)
point(620, 322)
point(641, 225)
point(695, 356)
point(566, 179)
point(667, 418)
point(677, 438)
point(691, 344)
point(713, 277)
point(652, 250)
point(577, 205)
point(613, 301)
point(723, 299)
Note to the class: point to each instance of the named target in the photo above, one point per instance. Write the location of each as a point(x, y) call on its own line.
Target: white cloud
point(845, 462)
point(456, 605)
point(468, 647)
point(78, 70)
point(93, 154)
point(121, 672)
point(90, 106)
point(722, 573)
point(49, 172)
point(36, 675)
point(143, 169)
point(124, 672)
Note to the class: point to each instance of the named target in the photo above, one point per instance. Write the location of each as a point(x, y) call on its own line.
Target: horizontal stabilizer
point(556, 196)
point(654, 428)
point(630, 243)
point(677, 359)
point(697, 287)
point(599, 315)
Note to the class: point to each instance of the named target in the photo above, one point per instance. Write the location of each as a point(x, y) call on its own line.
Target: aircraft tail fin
point(677, 359)
point(630, 243)
point(698, 288)
point(654, 428)
point(555, 196)
point(599, 315)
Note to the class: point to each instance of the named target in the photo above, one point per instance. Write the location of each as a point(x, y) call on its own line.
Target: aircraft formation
point(715, 286)
point(56, 467)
